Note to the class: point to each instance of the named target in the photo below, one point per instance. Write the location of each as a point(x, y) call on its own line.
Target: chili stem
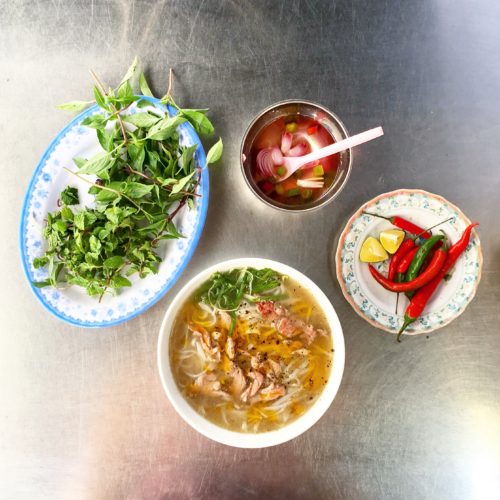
point(432, 227)
point(376, 215)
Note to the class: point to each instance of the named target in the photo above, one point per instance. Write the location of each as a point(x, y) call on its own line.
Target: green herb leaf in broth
point(227, 290)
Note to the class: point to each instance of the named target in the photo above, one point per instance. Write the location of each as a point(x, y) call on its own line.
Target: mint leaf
point(41, 284)
point(187, 156)
point(69, 196)
point(39, 262)
point(119, 281)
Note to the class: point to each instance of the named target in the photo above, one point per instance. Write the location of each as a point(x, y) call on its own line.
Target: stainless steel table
point(82, 412)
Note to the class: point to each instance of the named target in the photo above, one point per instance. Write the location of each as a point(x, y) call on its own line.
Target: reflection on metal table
point(83, 411)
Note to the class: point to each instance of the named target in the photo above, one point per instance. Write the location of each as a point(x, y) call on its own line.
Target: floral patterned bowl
point(71, 304)
point(377, 305)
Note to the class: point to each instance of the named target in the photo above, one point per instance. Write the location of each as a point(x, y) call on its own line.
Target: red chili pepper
point(312, 129)
point(434, 267)
point(396, 258)
point(403, 224)
point(422, 296)
point(405, 262)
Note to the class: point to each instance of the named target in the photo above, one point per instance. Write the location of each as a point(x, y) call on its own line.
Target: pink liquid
point(305, 130)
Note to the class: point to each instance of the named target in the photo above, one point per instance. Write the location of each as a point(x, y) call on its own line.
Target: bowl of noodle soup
point(251, 353)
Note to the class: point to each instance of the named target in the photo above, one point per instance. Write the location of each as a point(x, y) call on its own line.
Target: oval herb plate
point(377, 305)
point(71, 304)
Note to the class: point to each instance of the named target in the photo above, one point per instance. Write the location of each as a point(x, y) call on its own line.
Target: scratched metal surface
point(82, 412)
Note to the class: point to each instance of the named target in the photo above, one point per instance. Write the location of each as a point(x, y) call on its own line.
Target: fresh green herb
point(69, 196)
point(215, 152)
point(227, 290)
point(143, 177)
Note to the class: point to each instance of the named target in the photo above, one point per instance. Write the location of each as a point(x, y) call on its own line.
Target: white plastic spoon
point(292, 164)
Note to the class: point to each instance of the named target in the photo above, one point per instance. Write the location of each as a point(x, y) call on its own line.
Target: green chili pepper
point(420, 256)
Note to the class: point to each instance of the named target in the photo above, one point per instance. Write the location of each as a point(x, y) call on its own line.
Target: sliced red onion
point(286, 142)
point(265, 162)
point(267, 159)
point(299, 150)
point(277, 156)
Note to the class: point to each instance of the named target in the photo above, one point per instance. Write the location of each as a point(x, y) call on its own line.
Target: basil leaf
point(105, 139)
point(99, 99)
point(74, 106)
point(146, 120)
point(125, 91)
point(187, 157)
point(79, 162)
point(181, 183)
point(199, 121)
point(215, 152)
point(143, 84)
point(165, 128)
point(113, 262)
point(97, 164)
point(94, 121)
point(130, 71)
point(137, 190)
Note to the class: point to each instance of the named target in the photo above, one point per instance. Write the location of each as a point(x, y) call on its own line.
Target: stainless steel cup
point(289, 108)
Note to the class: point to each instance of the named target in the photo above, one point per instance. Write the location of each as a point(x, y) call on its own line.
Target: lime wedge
point(391, 239)
point(372, 251)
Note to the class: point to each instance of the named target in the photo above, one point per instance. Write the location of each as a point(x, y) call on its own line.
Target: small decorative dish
point(377, 305)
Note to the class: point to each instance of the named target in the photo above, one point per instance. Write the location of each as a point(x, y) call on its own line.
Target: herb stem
point(118, 111)
point(106, 188)
point(154, 181)
point(113, 108)
point(170, 84)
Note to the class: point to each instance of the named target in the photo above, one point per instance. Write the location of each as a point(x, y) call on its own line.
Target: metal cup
point(289, 108)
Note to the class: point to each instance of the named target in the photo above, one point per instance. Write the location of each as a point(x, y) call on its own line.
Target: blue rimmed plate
point(377, 305)
point(71, 304)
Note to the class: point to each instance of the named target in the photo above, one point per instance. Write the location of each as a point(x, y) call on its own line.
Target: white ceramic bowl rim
point(250, 440)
